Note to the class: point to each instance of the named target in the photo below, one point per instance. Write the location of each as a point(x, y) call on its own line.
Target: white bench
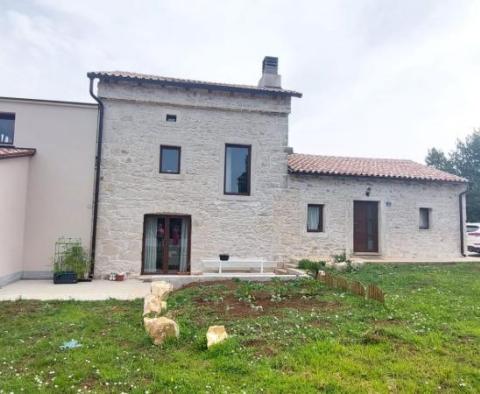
point(236, 264)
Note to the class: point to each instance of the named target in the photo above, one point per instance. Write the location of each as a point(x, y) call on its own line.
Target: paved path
point(104, 289)
point(83, 291)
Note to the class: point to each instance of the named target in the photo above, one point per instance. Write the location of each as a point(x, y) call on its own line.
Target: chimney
point(270, 77)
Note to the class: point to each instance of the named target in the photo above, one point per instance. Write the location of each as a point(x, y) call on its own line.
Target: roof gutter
point(190, 84)
point(462, 233)
point(98, 160)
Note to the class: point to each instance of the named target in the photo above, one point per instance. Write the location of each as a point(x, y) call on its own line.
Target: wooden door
point(365, 226)
point(166, 244)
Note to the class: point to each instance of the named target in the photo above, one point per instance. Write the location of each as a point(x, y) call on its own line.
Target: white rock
point(160, 328)
point(340, 266)
point(153, 304)
point(216, 334)
point(329, 264)
point(358, 264)
point(161, 289)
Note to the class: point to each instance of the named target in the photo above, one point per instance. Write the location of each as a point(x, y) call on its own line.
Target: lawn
point(290, 337)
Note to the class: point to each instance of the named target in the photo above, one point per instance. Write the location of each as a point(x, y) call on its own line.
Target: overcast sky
point(380, 78)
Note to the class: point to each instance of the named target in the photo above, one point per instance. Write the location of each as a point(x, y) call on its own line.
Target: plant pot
point(120, 277)
point(64, 277)
point(224, 257)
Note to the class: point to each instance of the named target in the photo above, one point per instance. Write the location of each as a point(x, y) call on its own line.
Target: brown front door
point(365, 226)
point(166, 244)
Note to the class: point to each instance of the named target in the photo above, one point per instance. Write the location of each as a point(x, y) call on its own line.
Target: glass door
point(166, 244)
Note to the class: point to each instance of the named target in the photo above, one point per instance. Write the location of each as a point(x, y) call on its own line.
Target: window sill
point(171, 176)
point(237, 197)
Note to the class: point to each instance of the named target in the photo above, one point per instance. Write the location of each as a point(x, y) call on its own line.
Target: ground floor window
point(166, 244)
point(315, 218)
point(424, 218)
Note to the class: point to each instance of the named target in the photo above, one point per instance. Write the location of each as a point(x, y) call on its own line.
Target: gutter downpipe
point(462, 234)
point(98, 160)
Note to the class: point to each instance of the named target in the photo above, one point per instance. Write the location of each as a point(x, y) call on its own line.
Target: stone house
point(190, 170)
point(164, 174)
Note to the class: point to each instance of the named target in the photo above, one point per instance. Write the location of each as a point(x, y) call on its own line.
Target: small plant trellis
point(63, 247)
point(372, 292)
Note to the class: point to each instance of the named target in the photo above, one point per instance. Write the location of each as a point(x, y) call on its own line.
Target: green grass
point(307, 338)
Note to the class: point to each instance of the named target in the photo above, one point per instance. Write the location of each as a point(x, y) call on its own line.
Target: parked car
point(473, 237)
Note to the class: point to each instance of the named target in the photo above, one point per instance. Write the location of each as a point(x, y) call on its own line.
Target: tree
point(464, 161)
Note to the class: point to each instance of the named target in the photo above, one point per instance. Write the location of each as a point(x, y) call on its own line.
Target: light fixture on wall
point(367, 192)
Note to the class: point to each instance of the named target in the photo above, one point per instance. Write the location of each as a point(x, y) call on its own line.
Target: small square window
point(424, 223)
point(171, 118)
point(7, 128)
point(170, 159)
point(315, 218)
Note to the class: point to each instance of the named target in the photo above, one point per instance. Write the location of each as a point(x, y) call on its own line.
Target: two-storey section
point(189, 170)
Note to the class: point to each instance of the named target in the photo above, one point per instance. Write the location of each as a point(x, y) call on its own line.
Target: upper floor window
point(237, 169)
point(170, 159)
point(7, 128)
point(424, 218)
point(315, 218)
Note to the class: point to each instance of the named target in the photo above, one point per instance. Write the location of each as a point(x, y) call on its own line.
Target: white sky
point(380, 78)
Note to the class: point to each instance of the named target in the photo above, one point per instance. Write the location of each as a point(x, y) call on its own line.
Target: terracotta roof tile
point(126, 75)
point(7, 152)
point(356, 166)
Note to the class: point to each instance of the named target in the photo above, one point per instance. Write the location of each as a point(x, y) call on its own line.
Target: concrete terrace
point(103, 289)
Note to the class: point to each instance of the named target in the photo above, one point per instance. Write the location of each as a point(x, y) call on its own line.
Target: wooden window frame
point(168, 216)
point(320, 221)
point(179, 161)
point(249, 170)
point(429, 218)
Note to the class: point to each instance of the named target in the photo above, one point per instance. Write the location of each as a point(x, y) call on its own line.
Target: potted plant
point(71, 262)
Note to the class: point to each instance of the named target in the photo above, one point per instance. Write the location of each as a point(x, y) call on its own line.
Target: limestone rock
point(341, 266)
point(153, 304)
point(216, 334)
point(161, 289)
point(160, 328)
point(358, 264)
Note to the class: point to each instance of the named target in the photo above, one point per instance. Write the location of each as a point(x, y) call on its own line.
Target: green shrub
point(312, 267)
point(74, 259)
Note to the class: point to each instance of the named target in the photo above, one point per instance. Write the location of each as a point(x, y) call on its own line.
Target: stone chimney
point(270, 77)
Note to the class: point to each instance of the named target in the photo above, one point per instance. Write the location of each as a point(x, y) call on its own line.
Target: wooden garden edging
point(371, 292)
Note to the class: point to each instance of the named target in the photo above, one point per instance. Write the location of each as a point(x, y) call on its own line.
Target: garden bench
point(237, 264)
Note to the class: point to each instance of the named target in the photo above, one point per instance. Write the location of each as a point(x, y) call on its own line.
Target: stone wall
point(131, 185)
point(271, 222)
point(399, 203)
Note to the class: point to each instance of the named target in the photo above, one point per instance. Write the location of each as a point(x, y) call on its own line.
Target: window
point(7, 128)
point(170, 159)
point(472, 228)
point(315, 218)
point(171, 118)
point(237, 169)
point(424, 218)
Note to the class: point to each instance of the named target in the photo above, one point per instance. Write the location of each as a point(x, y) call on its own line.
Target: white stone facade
point(398, 217)
point(271, 222)
point(131, 185)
